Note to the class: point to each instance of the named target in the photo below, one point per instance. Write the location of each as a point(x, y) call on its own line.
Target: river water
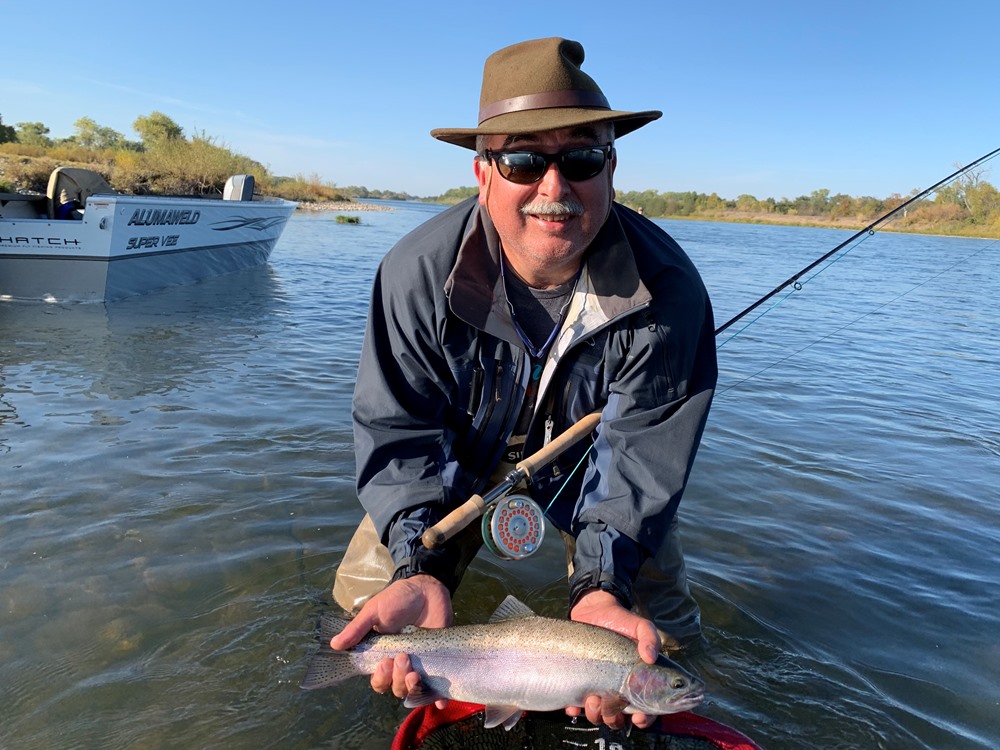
point(176, 490)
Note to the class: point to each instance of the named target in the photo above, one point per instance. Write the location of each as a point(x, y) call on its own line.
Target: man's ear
point(484, 173)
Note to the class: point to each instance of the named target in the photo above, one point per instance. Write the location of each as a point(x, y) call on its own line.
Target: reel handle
point(476, 505)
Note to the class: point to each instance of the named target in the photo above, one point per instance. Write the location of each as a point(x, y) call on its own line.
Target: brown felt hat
point(536, 86)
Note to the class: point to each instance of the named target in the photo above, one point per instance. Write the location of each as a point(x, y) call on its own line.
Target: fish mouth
point(683, 702)
point(689, 700)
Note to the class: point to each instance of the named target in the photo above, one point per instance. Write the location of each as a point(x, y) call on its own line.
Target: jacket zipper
point(553, 402)
point(475, 392)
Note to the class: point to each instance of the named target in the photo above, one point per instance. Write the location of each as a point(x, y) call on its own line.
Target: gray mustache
point(568, 207)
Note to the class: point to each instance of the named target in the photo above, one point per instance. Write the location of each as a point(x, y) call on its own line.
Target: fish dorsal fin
point(329, 626)
point(512, 608)
point(506, 715)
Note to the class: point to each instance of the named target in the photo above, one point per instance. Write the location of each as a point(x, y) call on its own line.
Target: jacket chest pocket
point(582, 384)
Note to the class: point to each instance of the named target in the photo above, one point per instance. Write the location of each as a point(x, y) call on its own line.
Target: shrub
point(304, 190)
point(25, 173)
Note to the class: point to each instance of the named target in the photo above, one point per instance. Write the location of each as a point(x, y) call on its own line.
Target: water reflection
point(142, 344)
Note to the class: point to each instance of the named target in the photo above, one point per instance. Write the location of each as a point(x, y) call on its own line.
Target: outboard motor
point(239, 187)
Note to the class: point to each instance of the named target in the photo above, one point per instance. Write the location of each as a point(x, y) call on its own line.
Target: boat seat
point(69, 188)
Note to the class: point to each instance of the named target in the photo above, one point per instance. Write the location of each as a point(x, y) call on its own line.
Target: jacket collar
point(475, 292)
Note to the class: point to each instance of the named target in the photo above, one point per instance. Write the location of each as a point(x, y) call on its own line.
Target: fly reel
point(513, 528)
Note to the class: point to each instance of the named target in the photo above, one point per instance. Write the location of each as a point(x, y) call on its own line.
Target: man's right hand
point(421, 600)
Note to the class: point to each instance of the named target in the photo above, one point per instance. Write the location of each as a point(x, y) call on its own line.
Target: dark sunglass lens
point(581, 164)
point(526, 167)
point(522, 167)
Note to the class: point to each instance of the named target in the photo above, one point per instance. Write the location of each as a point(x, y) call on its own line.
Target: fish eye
point(678, 682)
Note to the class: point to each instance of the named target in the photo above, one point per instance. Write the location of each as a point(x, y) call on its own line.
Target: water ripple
point(177, 490)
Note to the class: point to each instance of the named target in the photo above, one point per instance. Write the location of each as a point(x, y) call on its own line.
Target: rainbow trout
point(516, 662)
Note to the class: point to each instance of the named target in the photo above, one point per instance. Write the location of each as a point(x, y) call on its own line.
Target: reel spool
point(513, 528)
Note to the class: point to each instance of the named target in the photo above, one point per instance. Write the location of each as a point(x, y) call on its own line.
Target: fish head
point(662, 688)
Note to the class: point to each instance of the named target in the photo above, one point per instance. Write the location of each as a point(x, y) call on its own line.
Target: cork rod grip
point(556, 446)
point(454, 522)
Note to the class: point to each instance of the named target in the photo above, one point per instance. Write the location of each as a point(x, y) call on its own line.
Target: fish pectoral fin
point(422, 695)
point(511, 608)
point(506, 715)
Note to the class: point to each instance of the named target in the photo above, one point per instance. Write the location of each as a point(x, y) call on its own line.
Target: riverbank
point(900, 224)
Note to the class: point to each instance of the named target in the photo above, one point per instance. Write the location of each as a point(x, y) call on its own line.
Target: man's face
point(536, 242)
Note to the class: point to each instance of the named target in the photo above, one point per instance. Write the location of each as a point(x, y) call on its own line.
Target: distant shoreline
point(317, 206)
point(721, 216)
point(978, 232)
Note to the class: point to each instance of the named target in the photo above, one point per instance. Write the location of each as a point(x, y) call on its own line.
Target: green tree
point(7, 133)
point(455, 195)
point(714, 202)
point(90, 135)
point(841, 206)
point(814, 204)
point(33, 134)
point(156, 128)
point(820, 200)
point(983, 201)
point(869, 207)
point(965, 190)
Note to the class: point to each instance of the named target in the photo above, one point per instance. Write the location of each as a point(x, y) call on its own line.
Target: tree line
point(969, 205)
point(165, 160)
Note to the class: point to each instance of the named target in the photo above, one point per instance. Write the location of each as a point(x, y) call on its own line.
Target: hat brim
point(540, 120)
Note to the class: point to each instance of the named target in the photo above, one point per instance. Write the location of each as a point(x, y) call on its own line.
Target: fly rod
point(870, 228)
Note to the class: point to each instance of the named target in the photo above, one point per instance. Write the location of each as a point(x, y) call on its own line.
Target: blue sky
point(775, 99)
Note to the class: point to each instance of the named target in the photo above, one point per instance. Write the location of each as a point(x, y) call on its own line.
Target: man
point(501, 322)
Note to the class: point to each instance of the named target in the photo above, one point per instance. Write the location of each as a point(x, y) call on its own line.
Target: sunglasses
point(526, 167)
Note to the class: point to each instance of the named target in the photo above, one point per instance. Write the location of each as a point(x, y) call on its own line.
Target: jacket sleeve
point(403, 448)
point(657, 408)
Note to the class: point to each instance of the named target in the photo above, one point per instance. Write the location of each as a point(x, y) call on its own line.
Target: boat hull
point(128, 245)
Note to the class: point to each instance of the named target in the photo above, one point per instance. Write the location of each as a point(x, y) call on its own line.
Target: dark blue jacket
point(442, 378)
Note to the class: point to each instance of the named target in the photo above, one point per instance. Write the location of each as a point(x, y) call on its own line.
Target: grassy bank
point(195, 167)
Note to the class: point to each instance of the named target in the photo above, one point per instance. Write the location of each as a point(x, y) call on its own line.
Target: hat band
point(549, 99)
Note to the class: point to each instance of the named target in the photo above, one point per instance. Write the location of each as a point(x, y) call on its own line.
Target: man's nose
point(553, 183)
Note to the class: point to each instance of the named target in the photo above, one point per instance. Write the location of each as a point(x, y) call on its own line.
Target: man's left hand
point(602, 609)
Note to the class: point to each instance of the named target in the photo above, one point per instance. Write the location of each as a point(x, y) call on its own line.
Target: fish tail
point(328, 667)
